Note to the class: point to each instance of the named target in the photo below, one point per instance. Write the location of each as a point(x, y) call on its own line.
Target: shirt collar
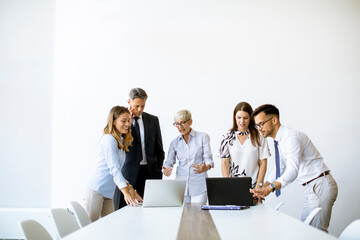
point(279, 133)
point(140, 118)
point(192, 134)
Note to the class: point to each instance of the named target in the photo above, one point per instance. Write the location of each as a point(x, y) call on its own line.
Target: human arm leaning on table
point(208, 161)
point(113, 160)
point(260, 179)
point(291, 152)
point(261, 173)
point(263, 155)
point(225, 167)
point(170, 160)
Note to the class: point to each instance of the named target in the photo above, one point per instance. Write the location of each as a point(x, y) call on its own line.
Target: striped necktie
point(277, 164)
point(137, 129)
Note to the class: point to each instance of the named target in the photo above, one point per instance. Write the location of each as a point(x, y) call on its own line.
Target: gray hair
point(137, 93)
point(182, 115)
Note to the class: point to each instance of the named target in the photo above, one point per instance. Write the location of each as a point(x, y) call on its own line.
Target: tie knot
point(275, 143)
point(136, 118)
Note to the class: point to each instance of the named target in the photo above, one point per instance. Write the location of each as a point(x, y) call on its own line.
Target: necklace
point(242, 133)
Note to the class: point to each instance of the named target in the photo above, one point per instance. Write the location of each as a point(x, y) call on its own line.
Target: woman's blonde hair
point(114, 113)
point(182, 115)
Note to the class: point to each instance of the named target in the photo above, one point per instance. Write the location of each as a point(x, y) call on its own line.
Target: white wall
point(206, 56)
point(26, 74)
point(302, 56)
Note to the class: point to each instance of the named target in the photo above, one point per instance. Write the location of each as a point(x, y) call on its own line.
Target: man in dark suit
point(146, 155)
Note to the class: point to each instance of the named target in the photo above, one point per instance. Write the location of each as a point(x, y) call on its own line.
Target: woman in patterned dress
point(243, 150)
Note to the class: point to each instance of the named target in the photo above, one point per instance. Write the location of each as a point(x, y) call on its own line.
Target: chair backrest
point(80, 213)
point(65, 222)
point(279, 205)
point(352, 231)
point(311, 216)
point(34, 231)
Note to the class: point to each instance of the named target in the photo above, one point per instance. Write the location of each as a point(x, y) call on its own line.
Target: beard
point(268, 133)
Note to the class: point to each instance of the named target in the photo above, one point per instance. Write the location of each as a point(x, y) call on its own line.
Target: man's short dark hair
point(268, 109)
point(137, 93)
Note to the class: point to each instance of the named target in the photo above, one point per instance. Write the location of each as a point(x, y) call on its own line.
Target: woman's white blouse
point(244, 158)
point(108, 170)
point(196, 151)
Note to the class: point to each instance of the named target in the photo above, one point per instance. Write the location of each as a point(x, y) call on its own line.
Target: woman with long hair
point(243, 150)
point(111, 157)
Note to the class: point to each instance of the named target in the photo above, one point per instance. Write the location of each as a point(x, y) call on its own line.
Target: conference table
point(191, 222)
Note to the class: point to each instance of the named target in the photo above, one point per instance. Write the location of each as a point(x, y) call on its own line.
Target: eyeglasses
point(261, 124)
point(180, 123)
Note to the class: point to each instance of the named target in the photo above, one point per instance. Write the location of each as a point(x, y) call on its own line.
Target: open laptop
point(229, 191)
point(164, 193)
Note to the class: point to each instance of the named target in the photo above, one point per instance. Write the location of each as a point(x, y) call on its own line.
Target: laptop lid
point(164, 193)
point(229, 191)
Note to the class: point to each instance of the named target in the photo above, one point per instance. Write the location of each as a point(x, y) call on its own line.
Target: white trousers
point(201, 198)
point(321, 192)
point(96, 205)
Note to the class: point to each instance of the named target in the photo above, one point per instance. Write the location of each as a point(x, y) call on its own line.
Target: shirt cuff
point(210, 163)
point(122, 185)
point(283, 183)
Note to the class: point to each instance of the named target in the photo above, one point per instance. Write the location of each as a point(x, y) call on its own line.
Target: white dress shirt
point(196, 151)
point(142, 135)
point(299, 158)
point(108, 169)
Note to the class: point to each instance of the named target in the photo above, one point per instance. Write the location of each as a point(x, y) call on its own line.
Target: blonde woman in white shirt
point(193, 152)
point(243, 150)
point(111, 157)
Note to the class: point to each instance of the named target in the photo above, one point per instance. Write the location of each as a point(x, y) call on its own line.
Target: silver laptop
point(164, 193)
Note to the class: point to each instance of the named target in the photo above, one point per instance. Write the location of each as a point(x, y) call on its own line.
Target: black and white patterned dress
point(244, 158)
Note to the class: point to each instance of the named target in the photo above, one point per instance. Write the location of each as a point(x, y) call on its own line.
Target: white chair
point(65, 222)
point(311, 216)
point(34, 231)
point(352, 231)
point(278, 206)
point(80, 213)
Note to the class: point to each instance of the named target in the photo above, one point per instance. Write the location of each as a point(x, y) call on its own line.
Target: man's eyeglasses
point(180, 123)
point(260, 125)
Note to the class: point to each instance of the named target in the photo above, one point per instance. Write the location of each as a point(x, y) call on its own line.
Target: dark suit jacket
point(153, 148)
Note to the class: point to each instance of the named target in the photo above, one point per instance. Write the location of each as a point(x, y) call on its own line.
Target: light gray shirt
point(196, 151)
point(299, 158)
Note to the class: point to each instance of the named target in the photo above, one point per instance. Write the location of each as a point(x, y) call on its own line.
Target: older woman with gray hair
point(193, 152)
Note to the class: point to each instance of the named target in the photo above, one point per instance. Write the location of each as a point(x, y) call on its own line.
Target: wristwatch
point(260, 184)
point(272, 185)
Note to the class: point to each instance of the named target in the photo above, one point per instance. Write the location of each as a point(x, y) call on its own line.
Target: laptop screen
point(164, 193)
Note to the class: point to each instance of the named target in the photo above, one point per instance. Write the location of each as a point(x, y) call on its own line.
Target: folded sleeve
point(225, 144)
point(171, 157)
point(207, 154)
point(264, 151)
